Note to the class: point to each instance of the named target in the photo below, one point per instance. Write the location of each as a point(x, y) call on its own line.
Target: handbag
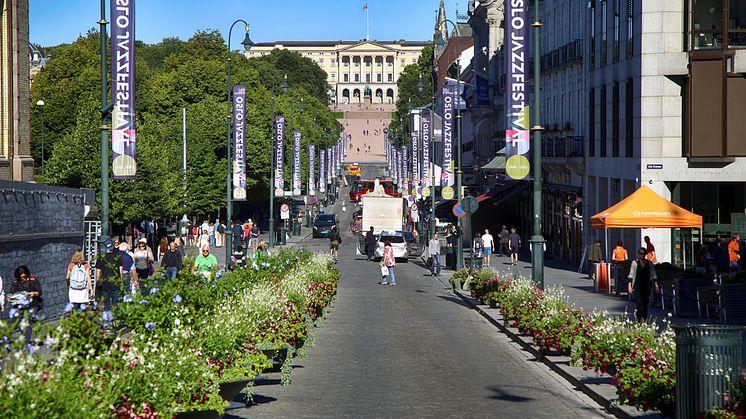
point(384, 271)
point(429, 262)
point(151, 269)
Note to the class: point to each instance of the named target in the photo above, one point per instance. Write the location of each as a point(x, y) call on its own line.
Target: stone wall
point(41, 227)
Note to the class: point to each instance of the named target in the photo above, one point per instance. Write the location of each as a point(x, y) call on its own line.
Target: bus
point(353, 170)
point(362, 187)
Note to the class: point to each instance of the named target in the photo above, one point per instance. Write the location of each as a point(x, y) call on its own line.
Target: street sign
point(413, 207)
point(458, 211)
point(470, 204)
point(284, 212)
point(447, 192)
point(426, 191)
point(411, 198)
point(312, 200)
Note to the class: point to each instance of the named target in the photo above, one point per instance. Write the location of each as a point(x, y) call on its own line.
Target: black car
point(323, 224)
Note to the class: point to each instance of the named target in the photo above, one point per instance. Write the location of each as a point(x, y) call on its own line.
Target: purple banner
point(239, 143)
point(123, 133)
point(447, 176)
point(280, 152)
point(322, 171)
point(415, 137)
point(426, 150)
point(311, 169)
point(516, 98)
point(330, 160)
point(405, 166)
point(296, 163)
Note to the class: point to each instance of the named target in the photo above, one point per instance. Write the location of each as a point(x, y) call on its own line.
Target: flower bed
point(639, 359)
point(182, 340)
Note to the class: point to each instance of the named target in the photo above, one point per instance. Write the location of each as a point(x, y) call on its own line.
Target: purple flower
point(69, 307)
point(83, 307)
point(107, 316)
point(127, 299)
point(153, 291)
point(150, 325)
point(30, 348)
point(13, 313)
point(143, 301)
point(177, 299)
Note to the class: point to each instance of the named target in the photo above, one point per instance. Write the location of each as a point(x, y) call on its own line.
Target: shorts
point(487, 251)
point(334, 245)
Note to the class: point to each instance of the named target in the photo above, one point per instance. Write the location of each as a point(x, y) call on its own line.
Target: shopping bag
point(384, 270)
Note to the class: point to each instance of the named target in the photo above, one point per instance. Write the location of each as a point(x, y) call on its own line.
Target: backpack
point(221, 228)
point(78, 279)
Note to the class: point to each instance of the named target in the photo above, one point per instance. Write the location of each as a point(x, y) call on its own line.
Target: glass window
point(391, 77)
point(346, 77)
point(357, 78)
point(630, 33)
point(737, 24)
point(334, 76)
point(334, 61)
point(378, 77)
point(706, 27)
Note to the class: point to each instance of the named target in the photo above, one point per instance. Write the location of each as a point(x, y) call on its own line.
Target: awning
point(645, 209)
point(498, 163)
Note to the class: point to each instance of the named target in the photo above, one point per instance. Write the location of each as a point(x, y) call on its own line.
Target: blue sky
point(52, 22)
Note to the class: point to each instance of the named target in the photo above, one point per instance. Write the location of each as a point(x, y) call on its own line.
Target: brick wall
point(41, 227)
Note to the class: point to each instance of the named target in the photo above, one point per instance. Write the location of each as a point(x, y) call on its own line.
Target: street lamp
point(247, 43)
point(284, 87)
point(40, 104)
point(441, 45)
point(537, 241)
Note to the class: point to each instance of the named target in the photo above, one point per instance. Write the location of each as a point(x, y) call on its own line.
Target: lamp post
point(247, 43)
point(104, 142)
point(40, 104)
point(460, 246)
point(537, 241)
point(272, 165)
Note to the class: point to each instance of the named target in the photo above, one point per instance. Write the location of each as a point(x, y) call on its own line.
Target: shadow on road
point(501, 394)
point(455, 300)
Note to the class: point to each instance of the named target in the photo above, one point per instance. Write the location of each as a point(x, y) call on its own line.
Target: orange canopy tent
point(645, 209)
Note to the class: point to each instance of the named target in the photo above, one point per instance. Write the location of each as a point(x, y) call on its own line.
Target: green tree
point(302, 72)
point(410, 96)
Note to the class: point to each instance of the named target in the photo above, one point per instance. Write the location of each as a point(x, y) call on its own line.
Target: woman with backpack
point(78, 278)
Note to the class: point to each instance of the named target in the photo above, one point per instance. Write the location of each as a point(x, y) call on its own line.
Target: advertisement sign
point(426, 150)
point(123, 133)
point(311, 169)
point(483, 90)
point(517, 134)
point(280, 153)
point(322, 171)
point(296, 163)
point(448, 123)
point(415, 137)
point(239, 143)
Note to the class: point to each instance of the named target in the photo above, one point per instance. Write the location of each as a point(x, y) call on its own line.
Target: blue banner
point(483, 90)
point(517, 138)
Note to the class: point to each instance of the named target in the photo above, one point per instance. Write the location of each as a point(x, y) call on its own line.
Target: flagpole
point(367, 23)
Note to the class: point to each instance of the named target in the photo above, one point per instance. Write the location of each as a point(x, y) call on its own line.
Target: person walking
point(389, 261)
point(107, 274)
point(172, 261)
point(334, 241)
point(433, 250)
point(370, 243)
point(488, 243)
point(503, 238)
point(143, 259)
point(211, 233)
point(161, 249)
point(254, 237)
point(594, 258)
point(205, 263)
point(78, 279)
point(237, 233)
point(127, 268)
point(641, 278)
point(734, 252)
point(619, 257)
point(219, 233)
point(514, 243)
point(477, 247)
point(204, 237)
point(30, 287)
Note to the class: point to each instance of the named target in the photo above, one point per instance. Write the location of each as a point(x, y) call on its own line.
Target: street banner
point(405, 165)
point(330, 160)
point(280, 152)
point(517, 138)
point(426, 150)
point(322, 171)
point(123, 133)
point(239, 143)
point(296, 163)
point(483, 90)
point(448, 122)
point(311, 168)
point(415, 137)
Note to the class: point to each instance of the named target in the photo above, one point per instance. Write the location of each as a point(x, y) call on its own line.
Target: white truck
point(384, 213)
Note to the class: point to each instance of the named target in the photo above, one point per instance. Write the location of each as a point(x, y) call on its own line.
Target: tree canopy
point(410, 80)
point(170, 76)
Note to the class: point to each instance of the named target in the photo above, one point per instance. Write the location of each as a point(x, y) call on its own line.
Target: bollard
point(708, 360)
point(281, 236)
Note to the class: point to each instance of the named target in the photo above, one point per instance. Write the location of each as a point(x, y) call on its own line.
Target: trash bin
point(602, 282)
point(472, 261)
point(451, 258)
point(281, 236)
point(708, 360)
point(296, 228)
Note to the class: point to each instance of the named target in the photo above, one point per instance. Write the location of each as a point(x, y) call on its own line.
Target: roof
point(645, 209)
point(401, 42)
point(498, 163)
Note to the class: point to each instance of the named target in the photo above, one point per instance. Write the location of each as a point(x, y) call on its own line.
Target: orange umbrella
point(645, 209)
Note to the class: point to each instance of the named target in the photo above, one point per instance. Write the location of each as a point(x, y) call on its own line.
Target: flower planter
point(229, 390)
point(493, 303)
point(198, 414)
point(277, 357)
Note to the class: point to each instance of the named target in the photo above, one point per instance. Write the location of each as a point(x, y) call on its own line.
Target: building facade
point(16, 162)
point(354, 68)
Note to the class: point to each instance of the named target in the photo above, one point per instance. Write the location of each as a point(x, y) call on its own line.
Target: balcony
point(571, 146)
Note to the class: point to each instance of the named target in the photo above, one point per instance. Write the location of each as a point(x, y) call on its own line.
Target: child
point(239, 258)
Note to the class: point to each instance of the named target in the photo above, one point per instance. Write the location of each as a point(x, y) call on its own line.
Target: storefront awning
point(498, 163)
point(645, 209)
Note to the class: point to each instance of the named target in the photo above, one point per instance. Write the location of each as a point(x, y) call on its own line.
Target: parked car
point(398, 244)
point(414, 249)
point(323, 224)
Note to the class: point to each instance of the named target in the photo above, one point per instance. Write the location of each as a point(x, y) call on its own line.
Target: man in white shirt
point(433, 250)
point(488, 243)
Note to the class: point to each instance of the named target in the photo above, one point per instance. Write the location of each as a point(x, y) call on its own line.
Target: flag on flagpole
point(365, 6)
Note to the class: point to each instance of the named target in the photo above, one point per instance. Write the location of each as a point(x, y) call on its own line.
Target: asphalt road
point(414, 350)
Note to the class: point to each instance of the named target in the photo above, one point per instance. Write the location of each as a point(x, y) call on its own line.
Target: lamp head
point(440, 42)
point(247, 42)
point(301, 105)
point(285, 84)
point(420, 86)
point(40, 102)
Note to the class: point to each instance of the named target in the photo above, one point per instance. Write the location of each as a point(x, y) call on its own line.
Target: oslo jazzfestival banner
point(448, 93)
point(239, 143)
point(415, 136)
point(517, 138)
point(296, 163)
point(322, 171)
point(426, 150)
point(123, 133)
point(311, 168)
point(280, 153)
